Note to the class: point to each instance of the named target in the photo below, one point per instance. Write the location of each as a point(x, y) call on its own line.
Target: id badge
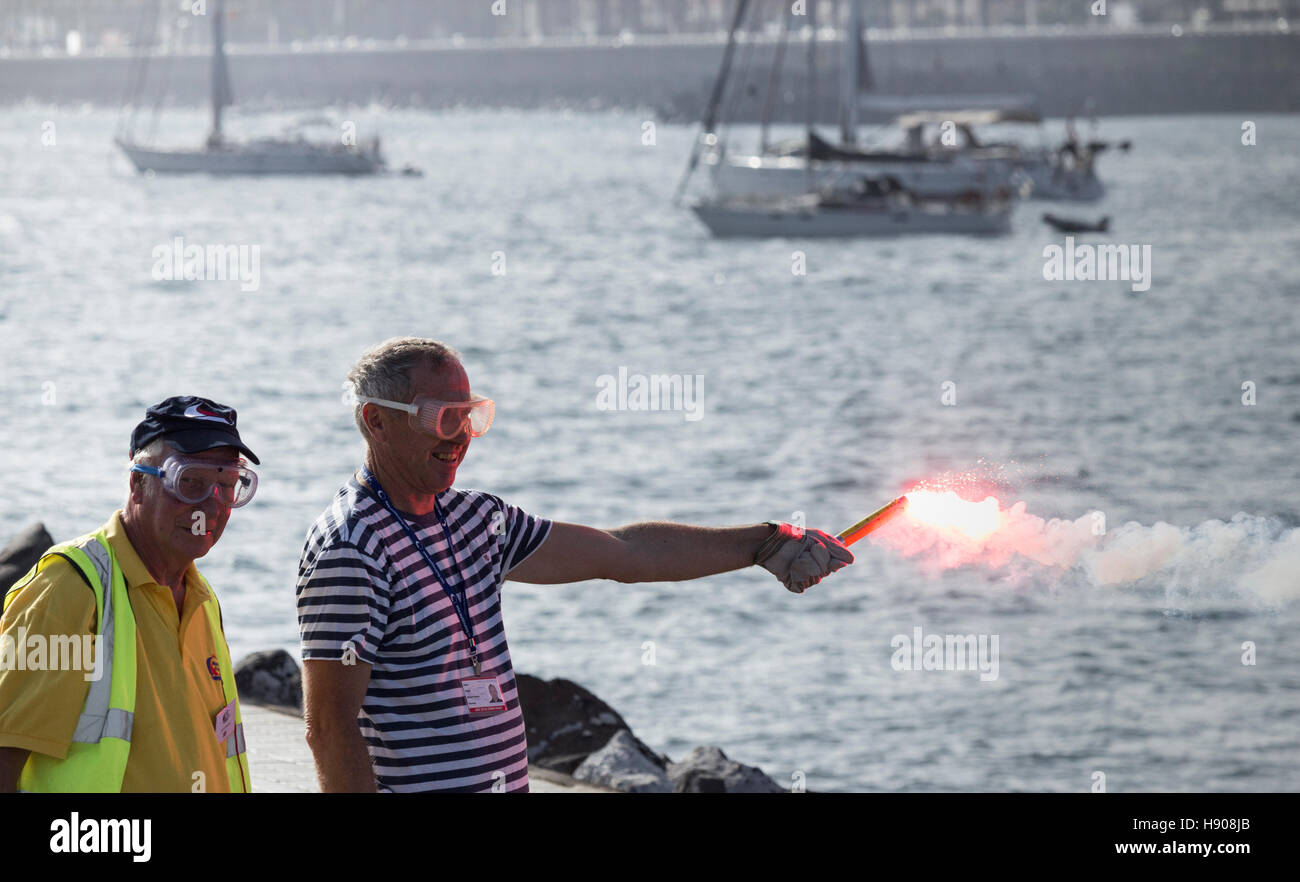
point(483, 695)
point(225, 723)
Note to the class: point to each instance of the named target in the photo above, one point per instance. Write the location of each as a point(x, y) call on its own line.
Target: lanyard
point(458, 601)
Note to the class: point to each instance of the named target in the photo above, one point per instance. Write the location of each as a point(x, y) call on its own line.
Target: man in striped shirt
point(407, 679)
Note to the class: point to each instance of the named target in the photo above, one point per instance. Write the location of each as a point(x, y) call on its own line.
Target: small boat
point(876, 207)
point(1070, 225)
point(1068, 172)
point(1063, 174)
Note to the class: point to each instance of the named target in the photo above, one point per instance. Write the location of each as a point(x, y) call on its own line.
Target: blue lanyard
point(458, 601)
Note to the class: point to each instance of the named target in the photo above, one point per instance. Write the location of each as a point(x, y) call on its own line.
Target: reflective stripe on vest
point(98, 720)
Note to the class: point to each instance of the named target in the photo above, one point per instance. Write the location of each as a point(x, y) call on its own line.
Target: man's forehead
point(447, 381)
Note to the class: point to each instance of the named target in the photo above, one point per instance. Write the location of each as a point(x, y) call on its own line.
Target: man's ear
point(373, 416)
point(135, 483)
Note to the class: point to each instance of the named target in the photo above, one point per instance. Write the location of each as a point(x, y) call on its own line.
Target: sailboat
point(263, 156)
point(848, 198)
point(784, 169)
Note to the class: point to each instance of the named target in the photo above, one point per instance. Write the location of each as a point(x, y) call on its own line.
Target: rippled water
point(821, 396)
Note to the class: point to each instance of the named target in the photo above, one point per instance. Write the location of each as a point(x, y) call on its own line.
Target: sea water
point(545, 248)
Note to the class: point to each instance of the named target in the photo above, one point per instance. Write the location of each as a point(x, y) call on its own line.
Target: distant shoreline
point(1148, 70)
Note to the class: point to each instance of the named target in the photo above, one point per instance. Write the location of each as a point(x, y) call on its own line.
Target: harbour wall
point(1143, 72)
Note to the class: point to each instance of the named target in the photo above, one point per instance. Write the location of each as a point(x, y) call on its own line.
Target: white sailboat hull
point(742, 176)
point(256, 158)
point(730, 219)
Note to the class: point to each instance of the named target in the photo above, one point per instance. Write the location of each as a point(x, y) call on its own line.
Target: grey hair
point(152, 454)
point(384, 371)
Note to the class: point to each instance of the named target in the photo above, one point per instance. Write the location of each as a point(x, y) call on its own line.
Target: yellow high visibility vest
point(96, 758)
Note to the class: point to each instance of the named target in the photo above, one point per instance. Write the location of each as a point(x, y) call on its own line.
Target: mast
point(221, 96)
point(851, 74)
point(811, 98)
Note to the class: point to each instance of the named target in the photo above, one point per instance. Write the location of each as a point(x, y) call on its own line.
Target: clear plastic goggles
point(446, 419)
point(194, 480)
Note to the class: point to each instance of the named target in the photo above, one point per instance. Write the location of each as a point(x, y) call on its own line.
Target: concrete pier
point(280, 761)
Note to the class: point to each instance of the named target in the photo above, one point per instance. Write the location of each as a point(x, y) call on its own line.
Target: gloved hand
point(801, 558)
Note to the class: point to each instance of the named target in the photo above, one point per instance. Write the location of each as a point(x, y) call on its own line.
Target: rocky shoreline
point(571, 732)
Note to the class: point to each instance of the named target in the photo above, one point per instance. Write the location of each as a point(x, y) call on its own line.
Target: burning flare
point(949, 514)
point(1258, 557)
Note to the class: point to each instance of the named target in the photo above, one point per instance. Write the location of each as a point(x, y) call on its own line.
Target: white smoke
point(1250, 556)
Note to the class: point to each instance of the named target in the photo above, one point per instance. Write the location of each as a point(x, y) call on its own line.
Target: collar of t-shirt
point(421, 521)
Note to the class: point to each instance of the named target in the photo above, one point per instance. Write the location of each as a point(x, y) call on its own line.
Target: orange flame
point(949, 513)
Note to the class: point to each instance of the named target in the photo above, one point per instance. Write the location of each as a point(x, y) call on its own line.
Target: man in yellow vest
point(114, 670)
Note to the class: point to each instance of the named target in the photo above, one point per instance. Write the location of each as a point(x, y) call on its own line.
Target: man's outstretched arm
point(666, 552)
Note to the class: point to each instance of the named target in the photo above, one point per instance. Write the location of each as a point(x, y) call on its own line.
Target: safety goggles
point(194, 480)
point(446, 419)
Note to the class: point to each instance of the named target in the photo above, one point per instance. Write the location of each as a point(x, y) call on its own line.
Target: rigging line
point(741, 83)
point(706, 126)
point(710, 117)
point(774, 80)
point(141, 50)
point(867, 139)
point(163, 91)
point(812, 90)
point(154, 45)
point(133, 64)
point(165, 85)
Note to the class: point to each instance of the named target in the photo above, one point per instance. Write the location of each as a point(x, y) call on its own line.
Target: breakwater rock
point(270, 677)
point(22, 553)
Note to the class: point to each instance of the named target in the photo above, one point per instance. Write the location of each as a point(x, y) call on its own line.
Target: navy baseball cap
point(191, 425)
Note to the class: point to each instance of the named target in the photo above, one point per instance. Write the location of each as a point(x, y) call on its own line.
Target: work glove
point(801, 558)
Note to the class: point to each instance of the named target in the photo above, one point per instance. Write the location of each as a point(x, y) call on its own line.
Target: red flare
point(874, 521)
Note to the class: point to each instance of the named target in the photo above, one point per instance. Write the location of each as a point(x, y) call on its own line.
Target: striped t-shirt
point(365, 589)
